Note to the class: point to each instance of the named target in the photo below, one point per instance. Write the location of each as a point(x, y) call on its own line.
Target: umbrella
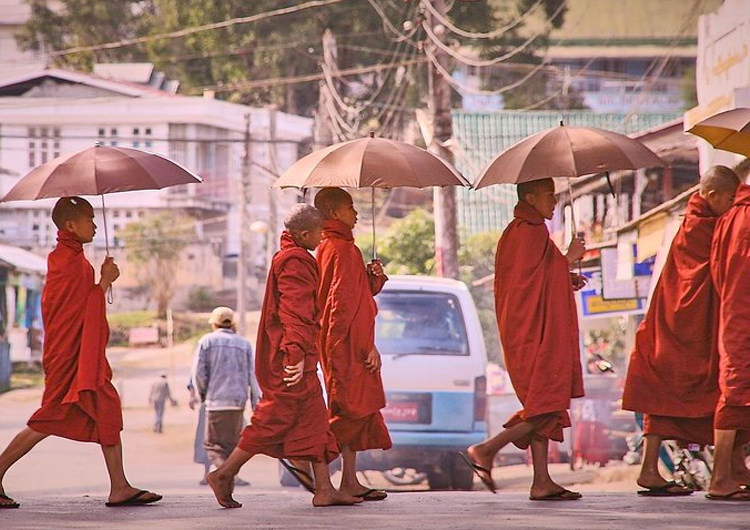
point(370, 162)
point(728, 131)
point(566, 152)
point(98, 170)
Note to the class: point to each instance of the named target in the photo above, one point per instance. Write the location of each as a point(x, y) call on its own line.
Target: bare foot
point(122, 494)
point(222, 487)
point(550, 489)
point(743, 477)
point(648, 480)
point(334, 498)
point(723, 488)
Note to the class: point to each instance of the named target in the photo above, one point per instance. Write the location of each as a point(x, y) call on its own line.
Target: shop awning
point(22, 260)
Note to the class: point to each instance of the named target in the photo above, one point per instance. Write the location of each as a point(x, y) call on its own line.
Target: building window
point(128, 214)
point(44, 144)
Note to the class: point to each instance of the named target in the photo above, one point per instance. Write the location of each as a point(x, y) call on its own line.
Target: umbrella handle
point(374, 243)
point(110, 296)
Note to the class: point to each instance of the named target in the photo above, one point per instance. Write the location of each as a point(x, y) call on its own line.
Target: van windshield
point(420, 323)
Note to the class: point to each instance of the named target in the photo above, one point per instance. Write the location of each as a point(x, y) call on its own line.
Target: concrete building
point(51, 112)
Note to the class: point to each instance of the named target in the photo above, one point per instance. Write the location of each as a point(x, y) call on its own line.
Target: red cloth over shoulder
point(289, 422)
point(79, 401)
point(347, 334)
point(730, 269)
point(537, 316)
point(673, 369)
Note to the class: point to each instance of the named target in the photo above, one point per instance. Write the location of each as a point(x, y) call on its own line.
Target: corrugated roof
point(483, 135)
point(23, 260)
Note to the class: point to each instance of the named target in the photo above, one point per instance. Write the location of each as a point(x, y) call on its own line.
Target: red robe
point(730, 268)
point(538, 324)
point(346, 294)
point(673, 372)
point(289, 422)
point(79, 401)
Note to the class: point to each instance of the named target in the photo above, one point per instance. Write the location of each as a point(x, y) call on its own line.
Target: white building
point(52, 112)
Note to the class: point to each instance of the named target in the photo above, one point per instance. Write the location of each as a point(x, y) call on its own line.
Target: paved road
point(63, 484)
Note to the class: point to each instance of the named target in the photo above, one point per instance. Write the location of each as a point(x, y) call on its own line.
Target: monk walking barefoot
point(730, 269)
point(351, 362)
point(79, 401)
point(538, 323)
point(291, 420)
point(673, 374)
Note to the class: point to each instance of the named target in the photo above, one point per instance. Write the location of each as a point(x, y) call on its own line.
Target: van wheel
point(439, 479)
point(462, 477)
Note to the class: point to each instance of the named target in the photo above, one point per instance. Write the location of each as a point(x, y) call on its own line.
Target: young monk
point(730, 269)
point(79, 401)
point(673, 373)
point(291, 420)
point(351, 362)
point(537, 319)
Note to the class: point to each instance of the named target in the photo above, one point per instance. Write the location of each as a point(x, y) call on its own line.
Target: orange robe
point(346, 294)
point(79, 401)
point(673, 372)
point(730, 268)
point(538, 324)
point(289, 422)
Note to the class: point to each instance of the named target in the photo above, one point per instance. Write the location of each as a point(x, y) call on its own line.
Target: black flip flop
point(135, 500)
point(373, 495)
point(740, 495)
point(8, 505)
point(667, 490)
point(484, 474)
point(302, 476)
point(564, 495)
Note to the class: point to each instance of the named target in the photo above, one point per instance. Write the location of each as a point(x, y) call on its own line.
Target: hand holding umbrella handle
point(109, 273)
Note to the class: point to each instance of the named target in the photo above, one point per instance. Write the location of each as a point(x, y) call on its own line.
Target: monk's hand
point(576, 250)
point(373, 361)
point(109, 272)
point(293, 373)
point(579, 281)
point(375, 268)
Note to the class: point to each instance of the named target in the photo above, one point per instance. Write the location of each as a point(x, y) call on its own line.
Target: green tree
point(85, 23)
point(408, 246)
point(154, 246)
point(367, 31)
point(476, 260)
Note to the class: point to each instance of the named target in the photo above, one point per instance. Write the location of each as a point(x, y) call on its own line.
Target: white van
point(434, 359)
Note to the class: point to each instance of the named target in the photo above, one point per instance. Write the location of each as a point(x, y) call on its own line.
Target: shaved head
point(533, 187)
point(743, 169)
point(303, 218)
point(719, 179)
point(329, 199)
point(70, 209)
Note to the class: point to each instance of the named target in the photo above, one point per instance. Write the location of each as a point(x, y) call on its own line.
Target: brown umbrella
point(98, 170)
point(728, 131)
point(370, 162)
point(566, 152)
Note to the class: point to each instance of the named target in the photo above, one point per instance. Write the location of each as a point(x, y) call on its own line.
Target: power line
point(475, 35)
point(197, 29)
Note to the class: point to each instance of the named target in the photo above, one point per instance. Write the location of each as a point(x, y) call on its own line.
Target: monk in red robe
point(538, 323)
point(673, 372)
point(351, 362)
point(291, 420)
point(730, 269)
point(79, 401)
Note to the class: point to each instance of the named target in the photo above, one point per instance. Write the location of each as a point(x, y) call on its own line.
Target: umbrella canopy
point(370, 162)
point(99, 170)
point(728, 131)
point(566, 152)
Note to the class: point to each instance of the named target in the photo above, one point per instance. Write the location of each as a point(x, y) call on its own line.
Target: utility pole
point(444, 199)
point(271, 235)
point(322, 134)
point(242, 249)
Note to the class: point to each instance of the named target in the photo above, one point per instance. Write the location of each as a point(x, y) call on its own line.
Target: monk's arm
point(297, 290)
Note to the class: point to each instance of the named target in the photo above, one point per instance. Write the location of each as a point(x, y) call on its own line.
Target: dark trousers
point(223, 428)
